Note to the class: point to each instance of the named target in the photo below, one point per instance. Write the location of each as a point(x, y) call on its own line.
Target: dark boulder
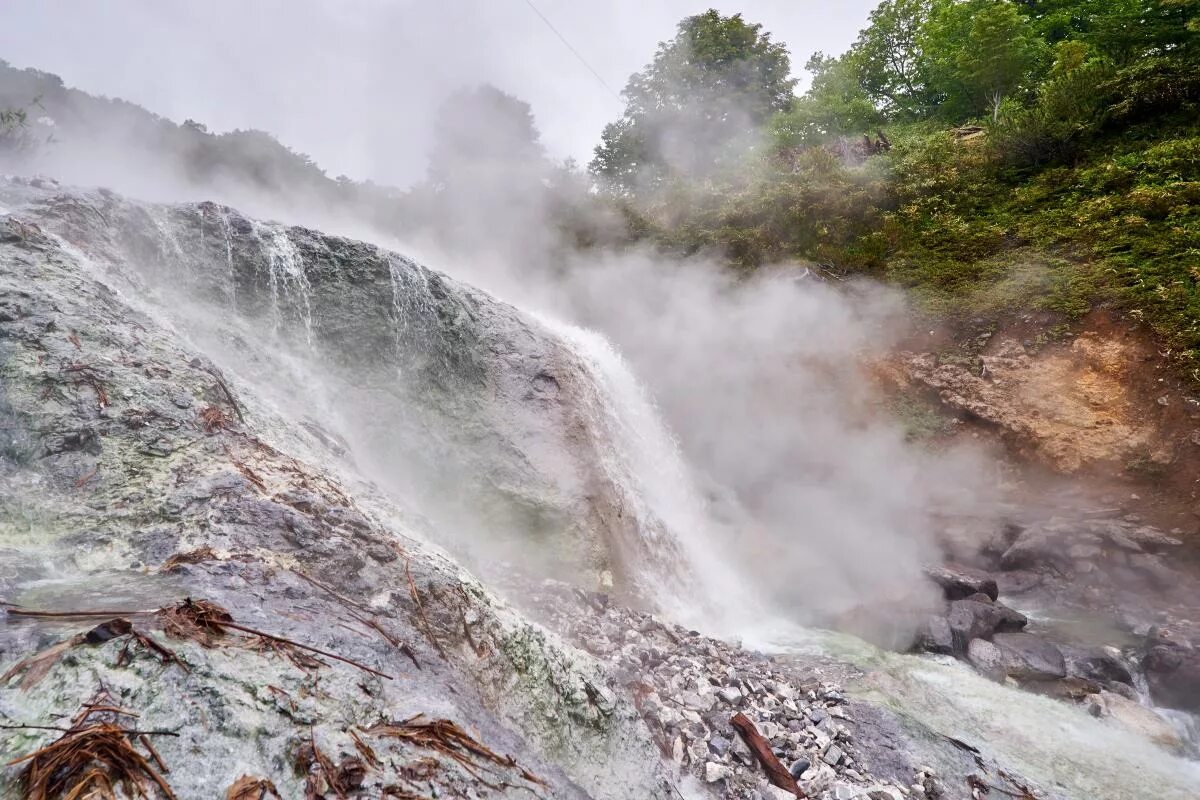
point(1173, 674)
point(1097, 664)
point(1011, 620)
point(1030, 658)
point(959, 582)
point(935, 636)
point(971, 619)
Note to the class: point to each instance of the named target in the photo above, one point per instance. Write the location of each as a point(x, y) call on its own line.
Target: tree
point(979, 52)
point(482, 134)
point(17, 141)
point(695, 107)
point(891, 65)
point(834, 105)
point(487, 182)
point(1122, 31)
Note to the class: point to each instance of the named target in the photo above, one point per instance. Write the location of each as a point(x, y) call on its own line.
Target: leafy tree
point(980, 52)
point(17, 140)
point(1121, 30)
point(834, 105)
point(891, 65)
point(697, 105)
point(482, 134)
point(1068, 108)
point(487, 173)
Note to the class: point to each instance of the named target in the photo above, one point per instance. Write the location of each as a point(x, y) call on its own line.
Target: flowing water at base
point(1058, 746)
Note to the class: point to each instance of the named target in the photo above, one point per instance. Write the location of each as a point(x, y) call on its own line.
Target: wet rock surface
point(687, 687)
point(137, 471)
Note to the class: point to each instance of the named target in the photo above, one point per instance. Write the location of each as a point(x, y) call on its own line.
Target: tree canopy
point(695, 106)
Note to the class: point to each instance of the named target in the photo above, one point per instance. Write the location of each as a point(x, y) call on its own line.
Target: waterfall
point(285, 271)
point(676, 545)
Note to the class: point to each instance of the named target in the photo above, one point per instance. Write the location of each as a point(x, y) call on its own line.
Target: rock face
point(452, 399)
point(1069, 406)
point(136, 473)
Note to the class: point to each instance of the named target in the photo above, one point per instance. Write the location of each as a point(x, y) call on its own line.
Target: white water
point(286, 273)
point(230, 270)
point(641, 458)
point(1055, 745)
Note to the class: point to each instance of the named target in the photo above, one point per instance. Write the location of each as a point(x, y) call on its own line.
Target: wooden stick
point(157, 758)
point(777, 773)
point(76, 730)
point(326, 653)
point(21, 612)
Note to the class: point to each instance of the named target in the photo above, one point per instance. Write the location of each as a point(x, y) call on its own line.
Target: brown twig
point(228, 395)
point(423, 621)
point(777, 773)
point(83, 479)
point(316, 650)
point(24, 612)
point(145, 740)
point(126, 731)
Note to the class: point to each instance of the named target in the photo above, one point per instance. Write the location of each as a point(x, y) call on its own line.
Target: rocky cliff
point(243, 466)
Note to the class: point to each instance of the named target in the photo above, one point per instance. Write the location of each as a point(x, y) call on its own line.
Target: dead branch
point(777, 773)
point(91, 759)
point(202, 621)
point(190, 557)
point(422, 620)
point(83, 479)
point(447, 738)
point(316, 650)
point(228, 395)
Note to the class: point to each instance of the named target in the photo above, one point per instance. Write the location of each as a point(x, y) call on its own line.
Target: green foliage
point(979, 52)
point(836, 104)
point(16, 139)
point(1070, 105)
point(891, 65)
point(694, 109)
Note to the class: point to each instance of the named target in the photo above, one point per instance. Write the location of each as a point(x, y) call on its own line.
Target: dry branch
point(92, 759)
point(422, 620)
point(777, 773)
point(447, 738)
point(203, 621)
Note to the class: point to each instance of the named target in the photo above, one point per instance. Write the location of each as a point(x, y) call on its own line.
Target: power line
point(574, 52)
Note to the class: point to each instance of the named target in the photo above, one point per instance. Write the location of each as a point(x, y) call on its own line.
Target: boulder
point(1100, 664)
point(1036, 545)
point(1018, 581)
point(971, 619)
point(935, 636)
point(1030, 658)
point(1173, 674)
point(1154, 570)
point(1141, 720)
point(987, 658)
point(959, 582)
point(1011, 620)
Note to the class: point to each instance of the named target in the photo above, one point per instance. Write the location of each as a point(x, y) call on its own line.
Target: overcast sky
point(354, 82)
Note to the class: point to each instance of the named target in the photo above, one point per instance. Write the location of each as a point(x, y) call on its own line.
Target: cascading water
point(671, 536)
point(286, 274)
point(668, 512)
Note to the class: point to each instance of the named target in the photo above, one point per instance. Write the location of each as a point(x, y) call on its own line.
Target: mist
point(788, 471)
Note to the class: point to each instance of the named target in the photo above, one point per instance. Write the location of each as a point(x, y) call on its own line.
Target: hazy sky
point(354, 82)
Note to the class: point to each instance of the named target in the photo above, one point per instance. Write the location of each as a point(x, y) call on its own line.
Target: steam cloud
point(807, 487)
